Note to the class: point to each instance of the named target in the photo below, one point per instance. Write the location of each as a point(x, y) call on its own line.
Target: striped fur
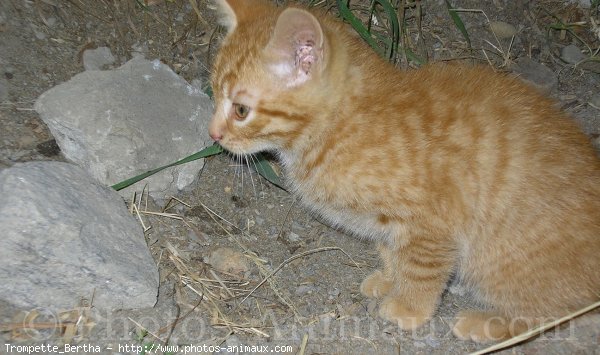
point(446, 168)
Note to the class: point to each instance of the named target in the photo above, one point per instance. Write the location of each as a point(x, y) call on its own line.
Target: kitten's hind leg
point(488, 326)
point(419, 272)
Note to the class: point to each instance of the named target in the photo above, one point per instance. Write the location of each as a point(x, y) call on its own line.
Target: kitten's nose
point(215, 129)
point(215, 136)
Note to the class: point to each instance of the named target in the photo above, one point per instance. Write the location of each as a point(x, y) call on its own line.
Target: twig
point(287, 261)
point(536, 331)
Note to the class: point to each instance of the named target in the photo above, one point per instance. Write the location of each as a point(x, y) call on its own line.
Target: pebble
point(259, 220)
point(39, 34)
point(572, 54)
point(97, 59)
point(584, 3)
point(535, 73)
point(595, 101)
point(228, 260)
point(293, 237)
point(51, 21)
point(305, 289)
point(503, 30)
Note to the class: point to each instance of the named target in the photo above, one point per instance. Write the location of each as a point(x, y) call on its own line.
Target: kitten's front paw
point(376, 285)
point(395, 310)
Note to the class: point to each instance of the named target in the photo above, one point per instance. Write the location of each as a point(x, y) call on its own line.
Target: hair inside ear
point(295, 50)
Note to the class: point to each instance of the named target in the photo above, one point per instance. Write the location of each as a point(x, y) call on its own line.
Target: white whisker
point(250, 172)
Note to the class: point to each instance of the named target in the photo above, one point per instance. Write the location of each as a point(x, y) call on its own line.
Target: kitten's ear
point(295, 51)
point(227, 14)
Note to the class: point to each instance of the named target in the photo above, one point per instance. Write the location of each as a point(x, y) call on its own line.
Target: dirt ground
point(234, 229)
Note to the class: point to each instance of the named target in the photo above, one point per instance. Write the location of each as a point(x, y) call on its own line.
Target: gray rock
point(119, 123)
point(572, 54)
point(96, 59)
point(66, 237)
point(503, 30)
point(535, 73)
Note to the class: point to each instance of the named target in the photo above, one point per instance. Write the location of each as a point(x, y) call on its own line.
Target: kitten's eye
point(241, 111)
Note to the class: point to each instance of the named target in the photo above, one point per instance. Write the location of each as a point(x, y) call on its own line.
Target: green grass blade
point(206, 152)
point(393, 18)
point(458, 22)
point(358, 26)
point(263, 167)
point(208, 91)
point(415, 58)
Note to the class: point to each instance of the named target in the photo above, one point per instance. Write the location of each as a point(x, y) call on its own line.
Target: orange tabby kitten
point(447, 168)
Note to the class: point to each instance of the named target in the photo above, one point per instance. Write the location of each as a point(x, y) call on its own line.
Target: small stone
point(97, 59)
point(535, 73)
point(51, 21)
point(572, 54)
point(38, 34)
point(228, 260)
point(503, 30)
point(584, 3)
point(595, 101)
point(293, 237)
point(304, 289)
